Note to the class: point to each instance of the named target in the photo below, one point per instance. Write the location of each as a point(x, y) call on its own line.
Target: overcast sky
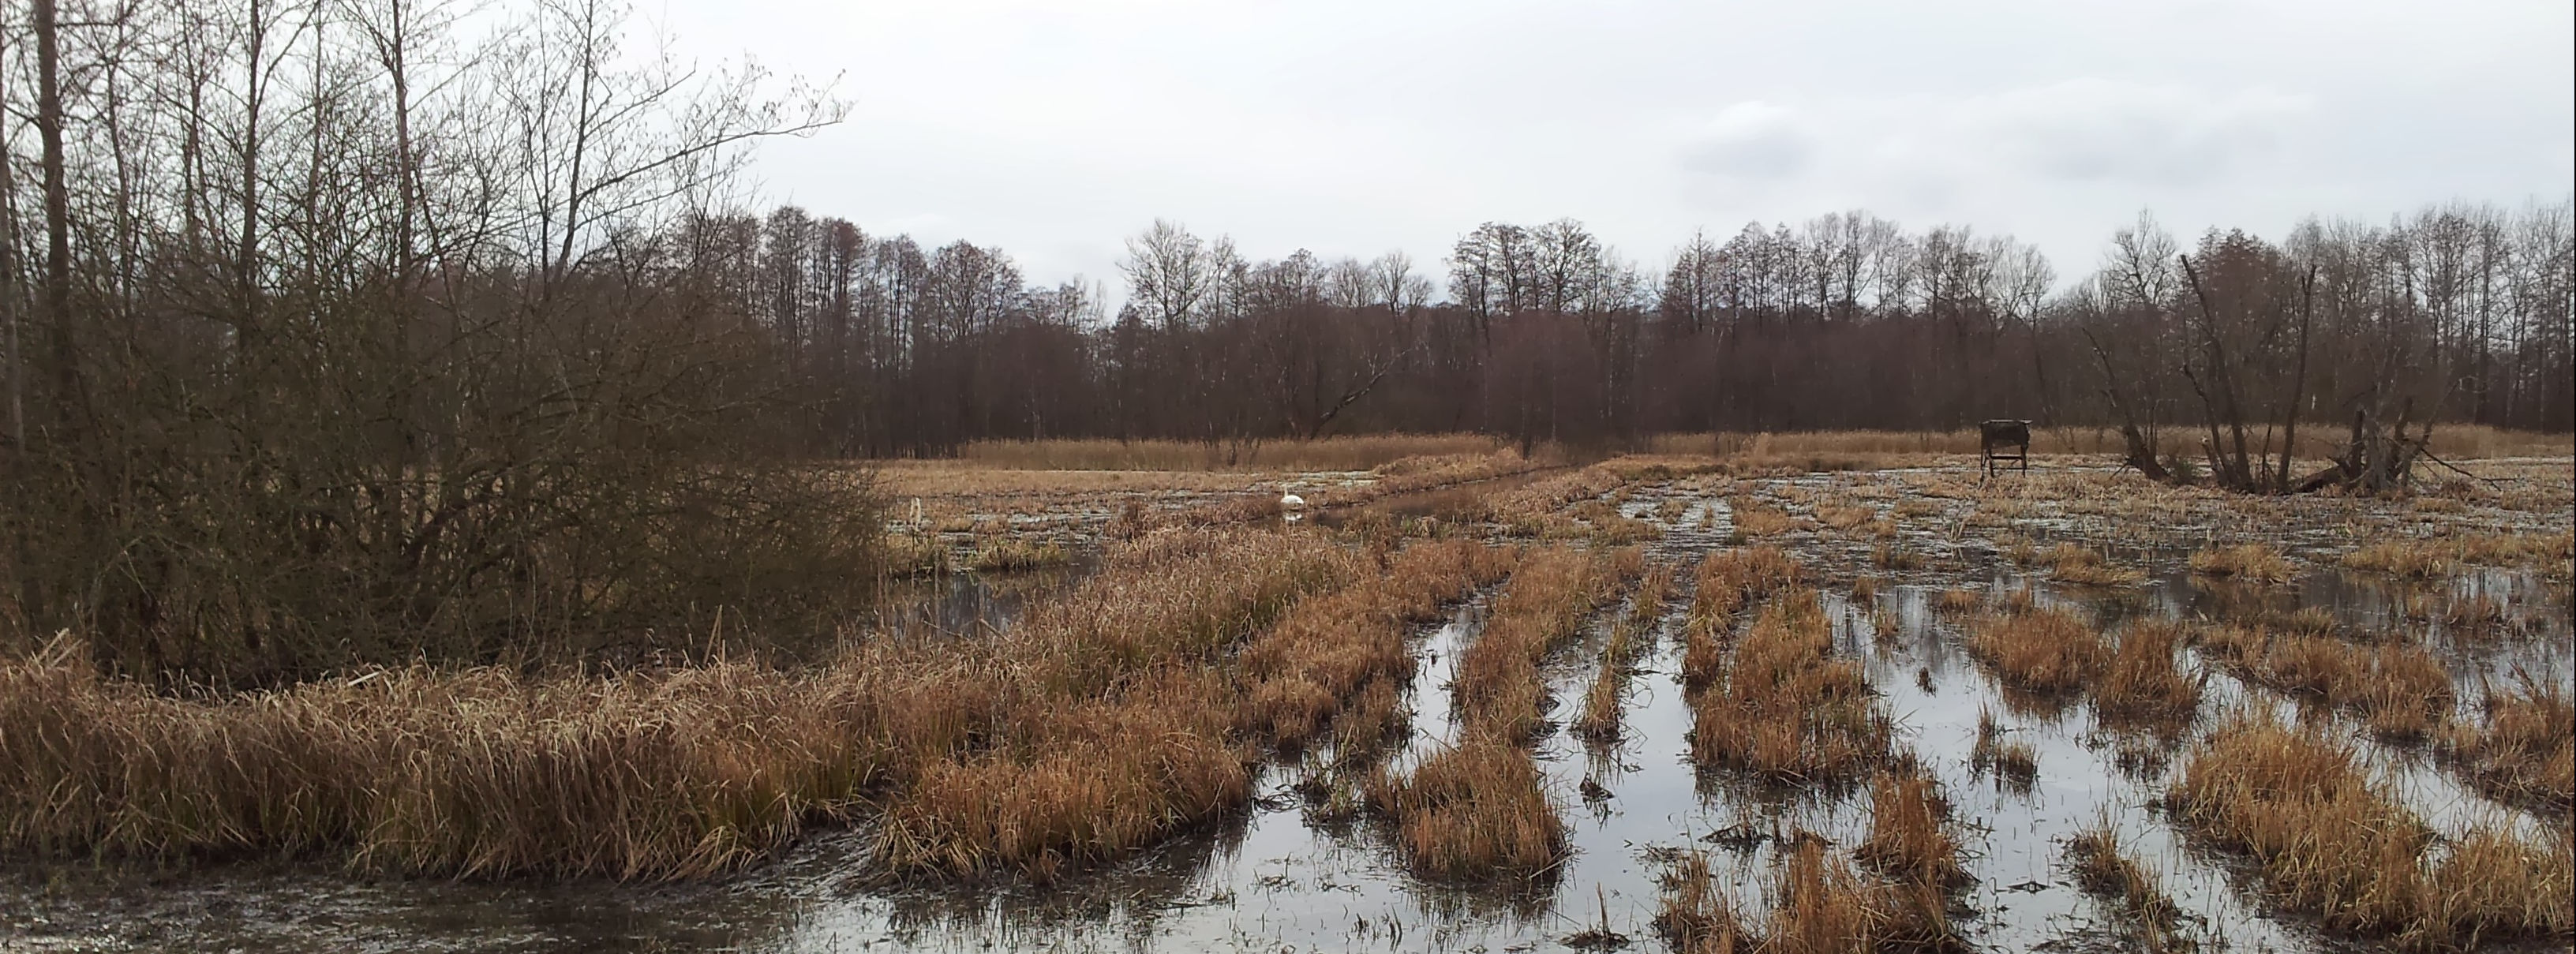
point(1055, 128)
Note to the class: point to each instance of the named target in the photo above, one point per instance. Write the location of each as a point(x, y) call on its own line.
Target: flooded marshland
point(1905, 567)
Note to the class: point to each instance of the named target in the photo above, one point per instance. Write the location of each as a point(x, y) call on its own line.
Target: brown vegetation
point(2257, 562)
point(2069, 563)
point(1820, 905)
point(1353, 453)
point(1478, 809)
point(2332, 843)
point(1602, 703)
point(2047, 651)
point(2144, 683)
point(2105, 871)
point(2400, 690)
point(1785, 710)
point(2526, 751)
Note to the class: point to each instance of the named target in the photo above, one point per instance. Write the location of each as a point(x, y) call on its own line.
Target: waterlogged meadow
point(1464, 703)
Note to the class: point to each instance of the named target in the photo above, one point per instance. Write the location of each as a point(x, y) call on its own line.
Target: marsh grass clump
point(1333, 655)
point(2256, 562)
point(1758, 520)
point(1959, 599)
point(2105, 871)
point(1479, 809)
point(1599, 721)
point(1786, 711)
point(1819, 905)
point(1909, 838)
point(2333, 843)
point(2399, 690)
point(2014, 762)
point(2526, 751)
point(2144, 683)
point(2080, 566)
point(2046, 651)
point(2433, 557)
point(1475, 811)
point(1498, 685)
point(1726, 581)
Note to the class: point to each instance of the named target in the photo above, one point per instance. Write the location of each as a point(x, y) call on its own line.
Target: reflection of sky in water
point(1268, 881)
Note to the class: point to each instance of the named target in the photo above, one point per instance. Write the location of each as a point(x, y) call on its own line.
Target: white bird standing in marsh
point(1291, 502)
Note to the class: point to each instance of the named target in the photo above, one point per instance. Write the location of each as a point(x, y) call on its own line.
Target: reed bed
point(2256, 562)
point(1909, 838)
point(1603, 702)
point(1782, 708)
point(2399, 690)
point(1479, 809)
point(2525, 753)
point(689, 771)
point(2333, 843)
point(2043, 650)
point(1754, 519)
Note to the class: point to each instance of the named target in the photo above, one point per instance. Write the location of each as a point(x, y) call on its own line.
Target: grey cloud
point(1752, 141)
point(2090, 129)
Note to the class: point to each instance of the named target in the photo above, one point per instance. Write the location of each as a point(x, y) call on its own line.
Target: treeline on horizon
point(363, 331)
point(1541, 333)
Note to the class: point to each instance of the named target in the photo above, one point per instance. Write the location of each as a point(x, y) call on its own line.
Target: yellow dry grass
point(2400, 690)
point(2144, 683)
point(2333, 843)
point(1604, 700)
point(2103, 869)
point(2047, 651)
point(1782, 708)
point(2526, 750)
point(2257, 562)
point(2069, 563)
point(1478, 809)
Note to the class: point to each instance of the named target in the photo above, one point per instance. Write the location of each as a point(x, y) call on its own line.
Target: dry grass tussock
point(2045, 650)
point(1782, 708)
point(2400, 690)
point(1819, 905)
point(2335, 844)
point(1727, 581)
point(1479, 809)
point(1331, 453)
point(1498, 685)
point(1630, 638)
point(1299, 674)
point(2257, 562)
point(2431, 557)
point(1754, 519)
point(2144, 684)
point(2070, 563)
point(2526, 751)
point(1103, 716)
point(2107, 872)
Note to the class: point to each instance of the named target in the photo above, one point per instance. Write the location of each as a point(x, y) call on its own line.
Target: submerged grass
point(2106, 871)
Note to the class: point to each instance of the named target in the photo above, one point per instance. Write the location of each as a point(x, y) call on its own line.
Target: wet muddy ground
point(1287, 875)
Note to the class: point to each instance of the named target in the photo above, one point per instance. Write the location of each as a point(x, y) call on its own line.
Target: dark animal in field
point(1999, 441)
